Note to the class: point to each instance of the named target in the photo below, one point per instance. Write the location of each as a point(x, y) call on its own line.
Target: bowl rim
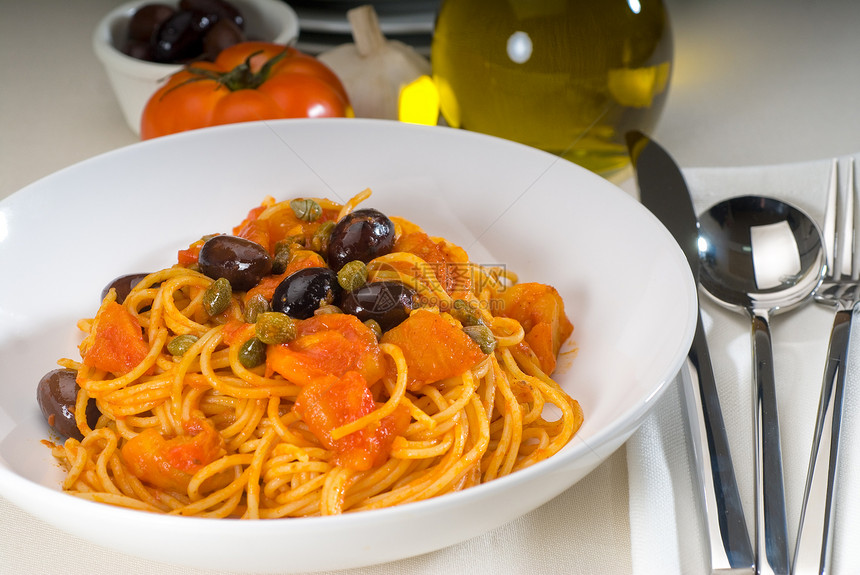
point(111, 56)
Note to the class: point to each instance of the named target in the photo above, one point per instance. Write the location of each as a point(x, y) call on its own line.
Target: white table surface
point(755, 82)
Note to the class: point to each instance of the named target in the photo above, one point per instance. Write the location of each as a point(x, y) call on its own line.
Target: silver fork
point(840, 290)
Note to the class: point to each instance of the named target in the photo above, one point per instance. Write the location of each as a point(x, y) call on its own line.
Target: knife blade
point(664, 192)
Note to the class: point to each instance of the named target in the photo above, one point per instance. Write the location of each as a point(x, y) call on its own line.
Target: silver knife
point(663, 191)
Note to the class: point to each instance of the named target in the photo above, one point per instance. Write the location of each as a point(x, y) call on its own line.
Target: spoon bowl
point(759, 253)
point(760, 256)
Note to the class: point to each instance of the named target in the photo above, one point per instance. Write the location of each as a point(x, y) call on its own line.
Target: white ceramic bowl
point(626, 284)
point(134, 81)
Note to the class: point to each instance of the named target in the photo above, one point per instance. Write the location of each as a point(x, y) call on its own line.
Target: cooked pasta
point(242, 404)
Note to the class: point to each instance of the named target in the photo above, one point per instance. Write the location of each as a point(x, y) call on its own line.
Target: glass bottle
point(567, 76)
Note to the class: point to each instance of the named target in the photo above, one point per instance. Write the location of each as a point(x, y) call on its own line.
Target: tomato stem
point(241, 77)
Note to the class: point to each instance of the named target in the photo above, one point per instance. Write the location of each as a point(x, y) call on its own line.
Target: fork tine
point(854, 206)
point(845, 231)
point(830, 220)
point(844, 227)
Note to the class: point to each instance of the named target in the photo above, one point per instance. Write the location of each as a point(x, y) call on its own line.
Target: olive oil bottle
point(567, 76)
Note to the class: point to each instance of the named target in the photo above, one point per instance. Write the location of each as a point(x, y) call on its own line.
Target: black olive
point(142, 50)
point(240, 261)
point(216, 10)
point(57, 393)
point(360, 235)
point(222, 35)
point(387, 302)
point(146, 20)
point(180, 37)
point(301, 293)
point(123, 286)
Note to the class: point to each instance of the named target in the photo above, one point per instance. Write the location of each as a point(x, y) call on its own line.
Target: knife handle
point(815, 529)
point(730, 543)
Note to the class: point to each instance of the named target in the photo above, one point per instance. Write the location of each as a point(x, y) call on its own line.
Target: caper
point(275, 327)
point(256, 305)
point(374, 327)
point(252, 353)
point(282, 257)
point(481, 335)
point(320, 239)
point(306, 209)
point(465, 312)
point(217, 297)
point(294, 240)
point(181, 344)
point(353, 275)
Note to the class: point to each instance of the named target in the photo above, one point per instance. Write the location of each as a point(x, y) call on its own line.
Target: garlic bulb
point(374, 69)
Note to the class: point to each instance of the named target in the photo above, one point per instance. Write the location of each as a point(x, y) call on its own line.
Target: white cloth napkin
point(657, 461)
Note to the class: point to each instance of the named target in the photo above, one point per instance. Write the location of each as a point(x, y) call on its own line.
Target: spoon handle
point(812, 552)
point(771, 528)
point(731, 550)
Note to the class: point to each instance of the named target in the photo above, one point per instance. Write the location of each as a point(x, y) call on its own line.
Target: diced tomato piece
point(459, 271)
point(540, 310)
point(170, 463)
point(188, 256)
point(328, 345)
point(256, 231)
point(237, 331)
point(434, 349)
point(250, 220)
point(330, 402)
point(404, 226)
point(540, 339)
point(252, 216)
point(445, 261)
point(285, 223)
point(116, 344)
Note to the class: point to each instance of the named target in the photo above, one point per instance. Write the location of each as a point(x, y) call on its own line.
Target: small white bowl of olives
point(142, 43)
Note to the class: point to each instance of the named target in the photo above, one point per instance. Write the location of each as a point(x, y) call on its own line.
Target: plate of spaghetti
point(310, 345)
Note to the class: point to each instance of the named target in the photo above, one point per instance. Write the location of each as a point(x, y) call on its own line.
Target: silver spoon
point(761, 256)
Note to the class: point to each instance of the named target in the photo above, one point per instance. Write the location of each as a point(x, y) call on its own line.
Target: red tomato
point(248, 81)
